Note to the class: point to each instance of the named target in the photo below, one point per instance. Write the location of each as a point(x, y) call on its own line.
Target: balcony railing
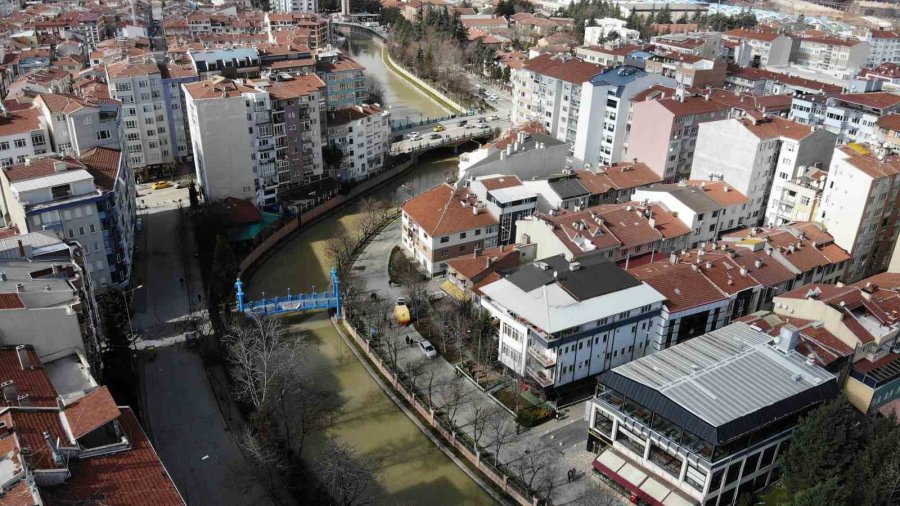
point(541, 358)
point(542, 378)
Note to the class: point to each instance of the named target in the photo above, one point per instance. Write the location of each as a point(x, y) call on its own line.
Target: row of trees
point(838, 457)
point(433, 46)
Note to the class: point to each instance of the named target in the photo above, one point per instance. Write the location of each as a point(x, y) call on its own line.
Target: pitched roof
point(217, 87)
point(683, 287)
point(130, 478)
point(566, 68)
point(38, 168)
point(771, 127)
point(863, 159)
point(103, 165)
point(875, 100)
point(475, 266)
point(20, 122)
point(889, 122)
point(95, 409)
point(32, 381)
point(296, 86)
point(444, 210)
point(744, 33)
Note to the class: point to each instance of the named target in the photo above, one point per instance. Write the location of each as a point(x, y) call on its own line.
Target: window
point(93, 228)
point(61, 191)
point(102, 135)
point(462, 249)
point(80, 231)
point(462, 235)
point(4, 145)
point(444, 239)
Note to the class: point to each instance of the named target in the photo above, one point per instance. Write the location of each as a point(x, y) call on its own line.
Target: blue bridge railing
point(290, 303)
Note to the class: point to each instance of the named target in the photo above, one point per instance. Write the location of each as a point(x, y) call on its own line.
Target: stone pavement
point(564, 440)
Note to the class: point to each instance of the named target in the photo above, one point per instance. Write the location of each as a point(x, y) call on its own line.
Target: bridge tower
point(345, 8)
point(239, 285)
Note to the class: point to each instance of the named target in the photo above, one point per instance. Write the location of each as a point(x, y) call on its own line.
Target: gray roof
point(530, 144)
point(568, 187)
point(595, 276)
point(33, 243)
point(618, 76)
point(723, 384)
point(692, 196)
point(40, 292)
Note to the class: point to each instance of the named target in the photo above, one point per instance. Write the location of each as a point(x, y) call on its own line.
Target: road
point(181, 410)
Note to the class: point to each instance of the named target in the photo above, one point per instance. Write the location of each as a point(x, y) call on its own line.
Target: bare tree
point(391, 348)
point(532, 465)
point(429, 378)
point(345, 473)
point(453, 399)
point(339, 251)
point(500, 430)
point(265, 456)
point(600, 496)
point(259, 358)
point(478, 419)
point(304, 409)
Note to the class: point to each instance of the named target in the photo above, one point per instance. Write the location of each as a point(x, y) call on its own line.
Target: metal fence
point(397, 124)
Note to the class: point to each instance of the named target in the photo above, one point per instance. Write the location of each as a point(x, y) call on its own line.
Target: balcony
point(541, 358)
point(543, 379)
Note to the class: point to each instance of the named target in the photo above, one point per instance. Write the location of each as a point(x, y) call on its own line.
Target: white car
point(427, 349)
point(414, 136)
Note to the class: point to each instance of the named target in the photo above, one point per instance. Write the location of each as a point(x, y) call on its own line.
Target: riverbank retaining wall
point(288, 228)
point(436, 95)
point(428, 415)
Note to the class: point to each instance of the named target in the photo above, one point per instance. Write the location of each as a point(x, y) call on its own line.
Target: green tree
point(683, 19)
point(824, 446)
point(664, 16)
point(879, 464)
point(831, 492)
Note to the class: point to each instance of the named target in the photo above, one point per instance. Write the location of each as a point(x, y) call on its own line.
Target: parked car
point(434, 136)
point(427, 349)
point(414, 136)
point(463, 123)
point(438, 128)
point(159, 185)
point(494, 117)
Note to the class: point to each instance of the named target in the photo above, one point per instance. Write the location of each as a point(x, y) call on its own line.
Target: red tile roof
point(130, 478)
point(38, 168)
point(30, 427)
point(90, 412)
point(474, 267)
point(566, 68)
point(500, 182)
point(20, 122)
point(743, 33)
point(869, 164)
point(103, 164)
point(889, 122)
point(875, 100)
point(33, 381)
point(11, 301)
point(683, 287)
point(771, 127)
point(445, 210)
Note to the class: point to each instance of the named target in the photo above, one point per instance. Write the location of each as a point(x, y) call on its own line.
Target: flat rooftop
point(723, 384)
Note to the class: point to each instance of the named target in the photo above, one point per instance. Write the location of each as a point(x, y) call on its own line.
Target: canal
point(409, 468)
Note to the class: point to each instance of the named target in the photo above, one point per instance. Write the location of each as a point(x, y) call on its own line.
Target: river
point(409, 468)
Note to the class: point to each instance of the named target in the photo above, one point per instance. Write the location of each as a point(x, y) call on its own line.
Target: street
point(182, 414)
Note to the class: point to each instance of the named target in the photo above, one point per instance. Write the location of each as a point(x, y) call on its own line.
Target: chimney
point(574, 266)
point(787, 339)
point(743, 271)
point(475, 252)
point(20, 287)
point(24, 400)
point(758, 264)
point(54, 448)
point(59, 166)
point(24, 359)
point(3, 276)
point(673, 258)
point(10, 392)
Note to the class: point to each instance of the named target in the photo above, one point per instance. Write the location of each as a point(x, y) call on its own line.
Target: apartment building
point(49, 300)
point(664, 131)
point(852, 116)
point(548, 89)
point(232, 63)
point(90, 199)
point(615, 183)
point(706, 45)
point(886, 75)
point(137, 83)
point(710, 433)
point(77, 125)
point(694, 305)
point(65, 439)
point(761, 149)
point(766, 82)
point(445, 222)
point(507, 199)
point(796, 198)
point(22, 134)
point(859, 207)
point(562, 322)
point(688, 70)
point(861, 327)
point(298, 105)
point(316, 26)
point(344, 78)
point(708, 208)
point(233, 136)
point(173, 76)
point(363, 135)
point(288, 6)
point(887, 132)
point(839, 57)
point(602, 116)
point(767, 48)
point(885, 47)
point(617, 232)
point(613, 55)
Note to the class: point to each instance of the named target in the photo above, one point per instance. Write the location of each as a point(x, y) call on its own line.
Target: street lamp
point(128, 311)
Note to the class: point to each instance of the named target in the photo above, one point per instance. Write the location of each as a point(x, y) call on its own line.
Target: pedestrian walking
point(569, 476)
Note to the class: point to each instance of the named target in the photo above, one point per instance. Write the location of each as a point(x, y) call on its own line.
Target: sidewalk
point(563, 440)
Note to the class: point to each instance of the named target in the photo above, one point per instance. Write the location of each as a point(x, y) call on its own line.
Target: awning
point(250, 231)
point(630, 476)
point(454, 291)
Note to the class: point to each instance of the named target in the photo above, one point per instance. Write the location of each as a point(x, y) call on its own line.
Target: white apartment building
point(77, 125)
point(603, 112)
point(232, 133)
point(858, 207)
point(766, 47)
point(797, 197)
point(137, 83)
point(708, 208)
point(363, 136)
point(852, 116)
point(885, 47)
point(839, 57)
point(561, 321)
point(22, 134)
point(311, 6)
point(597, 35)
point(90, 200)
point(759, 147)
point(548, 89)
point(444, 223)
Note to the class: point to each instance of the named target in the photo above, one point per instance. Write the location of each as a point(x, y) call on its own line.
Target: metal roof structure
point(723, 384)
point(59, 178)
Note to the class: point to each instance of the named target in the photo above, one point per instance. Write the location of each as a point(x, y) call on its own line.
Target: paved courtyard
point(563, 440)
